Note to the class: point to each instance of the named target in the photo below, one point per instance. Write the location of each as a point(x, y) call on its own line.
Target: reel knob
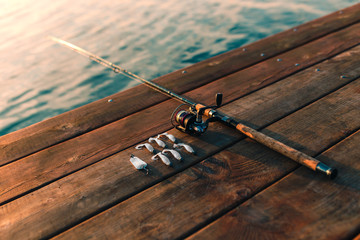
point(218, 99)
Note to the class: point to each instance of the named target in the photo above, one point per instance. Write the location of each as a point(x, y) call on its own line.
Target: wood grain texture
point(90, 190)
point(194, 197)
point(45, 166)
point(300, 206)
point(271, 70)
point(79, 121)
point(231, 87)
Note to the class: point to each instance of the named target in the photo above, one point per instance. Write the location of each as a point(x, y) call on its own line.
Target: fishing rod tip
point(51, 37)
point(60, 41)
point(55, 39)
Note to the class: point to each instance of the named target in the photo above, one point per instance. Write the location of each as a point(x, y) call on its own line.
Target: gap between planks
point(270, 185)
point(269, 80)
point(30, 140)
point(275, 72)
point(312, 192)
point(310, 73)
point(127, 198)
point(253, 122)
point(23, 168)
point(177, 190)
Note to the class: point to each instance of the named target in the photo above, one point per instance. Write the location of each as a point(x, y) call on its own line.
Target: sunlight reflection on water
point(40, 79)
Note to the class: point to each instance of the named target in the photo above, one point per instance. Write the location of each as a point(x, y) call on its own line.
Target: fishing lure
point(148, 147)
point(187, 147)
point(163, 158)
point(173, 152)
point(158, 142)
point(138, 163)
point(169, 136)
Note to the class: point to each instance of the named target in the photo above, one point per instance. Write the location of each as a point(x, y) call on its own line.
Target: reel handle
point(218, 99)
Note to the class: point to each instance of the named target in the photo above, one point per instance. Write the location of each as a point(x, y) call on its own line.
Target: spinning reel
point(190, 121)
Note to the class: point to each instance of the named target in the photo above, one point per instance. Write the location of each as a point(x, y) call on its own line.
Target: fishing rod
point(191, 120)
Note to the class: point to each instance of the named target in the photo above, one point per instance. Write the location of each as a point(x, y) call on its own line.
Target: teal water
point(40, 79)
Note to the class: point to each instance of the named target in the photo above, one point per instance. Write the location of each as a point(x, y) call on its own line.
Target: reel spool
point(187, 121)
point(190, 121)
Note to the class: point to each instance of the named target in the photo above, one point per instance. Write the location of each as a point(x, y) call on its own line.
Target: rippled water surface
point(40, 79)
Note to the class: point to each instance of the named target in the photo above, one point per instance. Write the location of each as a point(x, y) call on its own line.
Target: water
point(40, 79)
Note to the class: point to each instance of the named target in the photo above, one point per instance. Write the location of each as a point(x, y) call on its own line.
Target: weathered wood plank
point(195, 196)
point(60, 160)
point(73, 123)
point(300, 206)
point(107, 182)
point(273, 70)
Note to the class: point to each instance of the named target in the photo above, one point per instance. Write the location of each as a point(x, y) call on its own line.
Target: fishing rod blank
point(190, 121)
point(118, 69)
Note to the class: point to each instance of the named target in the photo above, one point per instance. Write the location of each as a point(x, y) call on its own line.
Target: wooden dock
point(69, 177)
